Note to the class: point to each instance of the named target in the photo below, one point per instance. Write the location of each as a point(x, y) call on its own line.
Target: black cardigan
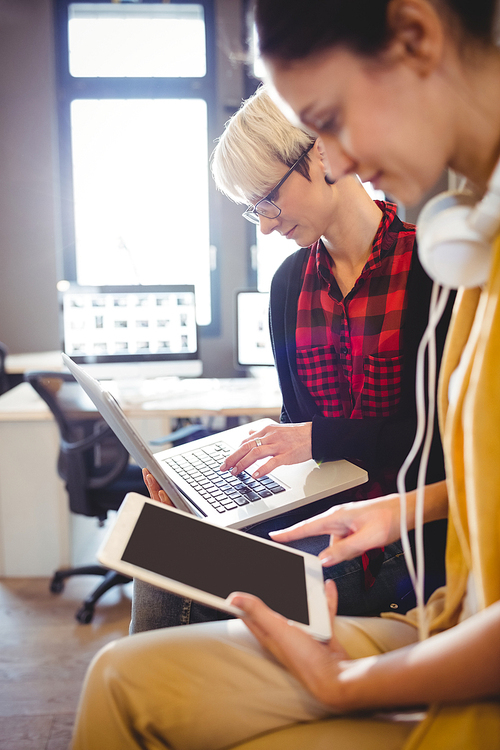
point(371, 442)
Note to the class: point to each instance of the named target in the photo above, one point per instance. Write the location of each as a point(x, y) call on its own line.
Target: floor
point(44, 653)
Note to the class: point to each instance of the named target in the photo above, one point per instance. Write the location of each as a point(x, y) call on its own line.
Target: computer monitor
point(131, 331)
point(252, 325)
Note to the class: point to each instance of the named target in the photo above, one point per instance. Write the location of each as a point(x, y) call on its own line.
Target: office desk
point(18, 364)
point(38, 534)
point(200, 397)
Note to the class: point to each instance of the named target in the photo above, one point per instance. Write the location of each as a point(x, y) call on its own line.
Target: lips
point(289, 234)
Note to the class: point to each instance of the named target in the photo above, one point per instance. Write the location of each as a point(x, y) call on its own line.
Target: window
point(141, 41)
point(136, 90)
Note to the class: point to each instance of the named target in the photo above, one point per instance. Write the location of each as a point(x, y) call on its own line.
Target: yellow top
point(471, 440)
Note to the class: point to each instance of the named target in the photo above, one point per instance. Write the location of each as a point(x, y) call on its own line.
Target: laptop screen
point(129, 323)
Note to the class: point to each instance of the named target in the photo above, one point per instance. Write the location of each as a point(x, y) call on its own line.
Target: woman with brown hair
point(398, 90)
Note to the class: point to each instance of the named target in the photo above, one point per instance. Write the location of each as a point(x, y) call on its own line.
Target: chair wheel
point(56, 585)
point(85, 615)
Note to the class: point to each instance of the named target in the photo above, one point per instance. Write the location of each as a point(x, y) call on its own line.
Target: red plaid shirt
point(349, 350)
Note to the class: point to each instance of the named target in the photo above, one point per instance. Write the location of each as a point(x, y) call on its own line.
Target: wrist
point(354, 684)
point(340, 685)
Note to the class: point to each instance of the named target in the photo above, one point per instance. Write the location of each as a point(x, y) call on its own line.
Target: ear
point(323, 159)
point(417, 34)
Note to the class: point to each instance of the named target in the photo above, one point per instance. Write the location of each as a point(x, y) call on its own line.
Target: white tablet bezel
point(113, 547)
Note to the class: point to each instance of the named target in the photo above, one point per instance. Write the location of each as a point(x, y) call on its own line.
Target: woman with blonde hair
point(347, 311)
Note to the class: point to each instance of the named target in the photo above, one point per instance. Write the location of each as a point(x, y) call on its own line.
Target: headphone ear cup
point(451, 252)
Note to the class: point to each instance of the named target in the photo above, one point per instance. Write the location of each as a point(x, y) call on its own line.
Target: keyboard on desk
point(200, 469)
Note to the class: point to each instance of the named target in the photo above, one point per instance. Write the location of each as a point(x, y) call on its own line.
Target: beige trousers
point(212, 686)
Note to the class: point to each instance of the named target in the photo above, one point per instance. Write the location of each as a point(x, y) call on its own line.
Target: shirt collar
point(383, 240)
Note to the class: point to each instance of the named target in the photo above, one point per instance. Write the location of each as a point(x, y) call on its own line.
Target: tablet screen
point(218, 561)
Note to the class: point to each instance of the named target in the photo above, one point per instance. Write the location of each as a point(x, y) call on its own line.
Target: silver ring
point(258, 442)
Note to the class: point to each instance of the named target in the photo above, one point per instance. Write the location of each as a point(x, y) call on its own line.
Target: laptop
point(190, 473)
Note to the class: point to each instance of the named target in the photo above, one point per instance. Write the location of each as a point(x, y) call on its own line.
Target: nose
point(268, 225)
point(339, 162)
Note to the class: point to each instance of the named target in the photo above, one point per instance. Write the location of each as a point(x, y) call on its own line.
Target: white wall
point(28, 228)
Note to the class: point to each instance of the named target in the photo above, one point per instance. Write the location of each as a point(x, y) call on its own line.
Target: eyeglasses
point(266, 207)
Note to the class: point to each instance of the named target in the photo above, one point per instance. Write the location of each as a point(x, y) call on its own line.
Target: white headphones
point(455, 235)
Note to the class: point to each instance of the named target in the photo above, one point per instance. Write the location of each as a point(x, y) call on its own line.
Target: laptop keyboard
point(200, 468)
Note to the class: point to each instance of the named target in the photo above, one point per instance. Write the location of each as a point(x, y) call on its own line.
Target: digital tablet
point(192, 557)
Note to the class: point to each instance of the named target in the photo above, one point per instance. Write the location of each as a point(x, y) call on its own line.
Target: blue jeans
point(392, 591)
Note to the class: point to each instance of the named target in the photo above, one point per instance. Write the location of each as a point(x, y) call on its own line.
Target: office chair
point(94, 465)
point(4, 382)
point(185, 431)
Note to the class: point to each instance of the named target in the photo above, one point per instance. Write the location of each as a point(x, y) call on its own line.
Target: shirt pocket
point(382, 386)
point(318, 370)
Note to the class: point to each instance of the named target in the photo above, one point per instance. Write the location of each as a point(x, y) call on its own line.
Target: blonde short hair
point(257, 141)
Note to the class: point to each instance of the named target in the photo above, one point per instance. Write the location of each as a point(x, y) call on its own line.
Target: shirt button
point(343, 349)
